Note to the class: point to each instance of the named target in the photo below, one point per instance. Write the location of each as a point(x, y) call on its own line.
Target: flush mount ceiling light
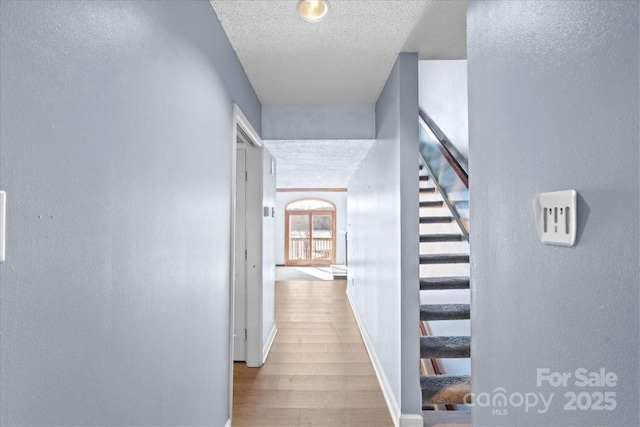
point(313, 10)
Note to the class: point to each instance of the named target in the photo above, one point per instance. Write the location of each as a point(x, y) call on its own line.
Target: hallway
point(318, 372)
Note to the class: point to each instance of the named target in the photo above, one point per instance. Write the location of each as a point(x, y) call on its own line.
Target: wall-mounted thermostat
point(556, 217)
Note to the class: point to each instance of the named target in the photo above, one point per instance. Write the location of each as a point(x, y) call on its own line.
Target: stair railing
point(450, 152)
point(448, 169)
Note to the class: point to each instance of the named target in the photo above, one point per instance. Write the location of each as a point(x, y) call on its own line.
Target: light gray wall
point(269, 247)
point(116, 136)
point(337, 198)
point(294, 122)
point(443, 96)
point(383, 235)
point(553, 105)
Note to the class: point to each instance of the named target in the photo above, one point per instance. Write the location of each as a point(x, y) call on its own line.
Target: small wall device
point(556, 217)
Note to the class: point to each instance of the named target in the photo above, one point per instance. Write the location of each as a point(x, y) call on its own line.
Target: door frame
point(254, 237)
point(240, 230)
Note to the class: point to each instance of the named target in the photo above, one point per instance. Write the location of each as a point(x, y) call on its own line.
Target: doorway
point(310, 232)
point(246, 298)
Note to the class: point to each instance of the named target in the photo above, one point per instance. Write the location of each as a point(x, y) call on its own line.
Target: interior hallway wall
point(554, 98)
point(318, 122)
point(383, 231)
point(269, 230)
point(116, 137)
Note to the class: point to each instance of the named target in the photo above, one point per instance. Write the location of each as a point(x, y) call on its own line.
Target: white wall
point(443, 96)
point(318, 122)
point(383, 237)
point(337, 198)
point(554, 98)
point(116, 155)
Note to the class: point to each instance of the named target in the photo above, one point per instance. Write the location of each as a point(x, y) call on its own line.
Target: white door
point(239, 331)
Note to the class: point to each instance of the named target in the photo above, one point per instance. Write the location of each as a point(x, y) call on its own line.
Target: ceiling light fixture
point(313, 10)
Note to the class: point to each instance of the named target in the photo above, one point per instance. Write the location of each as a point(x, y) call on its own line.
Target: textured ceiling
point(347, 57)
point(316, 164)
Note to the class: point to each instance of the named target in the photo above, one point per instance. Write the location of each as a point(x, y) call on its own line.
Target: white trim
point(411, 420)
point(267, 345)
point(254, 301)
point(228, 423)
point(254, 236)
point(392, 403)
point(241, 120)
point(232, 260)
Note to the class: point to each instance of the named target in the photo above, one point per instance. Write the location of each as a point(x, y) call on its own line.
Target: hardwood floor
point(318, 372)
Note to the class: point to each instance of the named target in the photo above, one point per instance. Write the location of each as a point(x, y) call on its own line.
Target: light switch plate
point(556, 217)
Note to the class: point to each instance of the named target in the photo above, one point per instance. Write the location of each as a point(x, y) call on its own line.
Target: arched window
point(310, 237)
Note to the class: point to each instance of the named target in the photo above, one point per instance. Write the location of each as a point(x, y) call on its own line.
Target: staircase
point(444, 272)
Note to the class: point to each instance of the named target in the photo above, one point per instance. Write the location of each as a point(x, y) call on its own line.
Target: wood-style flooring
point(318, 372)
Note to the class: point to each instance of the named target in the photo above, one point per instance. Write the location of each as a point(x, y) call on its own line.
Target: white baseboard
point(269, 343)
point(228, 423)
point(392, 403)
point(411, 420)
